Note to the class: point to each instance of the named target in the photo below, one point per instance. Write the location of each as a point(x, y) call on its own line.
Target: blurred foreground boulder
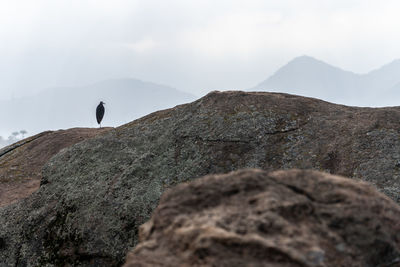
point(284, 218)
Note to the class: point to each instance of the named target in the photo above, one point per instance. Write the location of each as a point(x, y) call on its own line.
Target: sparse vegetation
point(23, 132)
point(14, 137)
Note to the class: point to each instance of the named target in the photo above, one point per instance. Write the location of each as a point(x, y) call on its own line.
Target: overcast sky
point(195, 46)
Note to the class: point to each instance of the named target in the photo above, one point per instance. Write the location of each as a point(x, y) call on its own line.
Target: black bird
point(100, 112)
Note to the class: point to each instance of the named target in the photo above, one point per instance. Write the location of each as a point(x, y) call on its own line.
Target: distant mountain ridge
point(68, 107)
point(311, 77)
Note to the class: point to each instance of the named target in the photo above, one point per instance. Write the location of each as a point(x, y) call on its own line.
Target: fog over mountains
point(129, 99)
point(308, 76)
point(67, 107)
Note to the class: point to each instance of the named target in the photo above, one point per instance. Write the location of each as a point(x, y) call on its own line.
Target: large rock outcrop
point(283, 218)
point(21, 163)
point(95, 194)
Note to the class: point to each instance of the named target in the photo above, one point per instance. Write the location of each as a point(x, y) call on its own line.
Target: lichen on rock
point(104, 188)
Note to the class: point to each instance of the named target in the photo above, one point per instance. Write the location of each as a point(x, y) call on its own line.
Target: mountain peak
point(309, 66)
point(392, 66)
point(305, 75)
point(306, 61)
point(305, 58)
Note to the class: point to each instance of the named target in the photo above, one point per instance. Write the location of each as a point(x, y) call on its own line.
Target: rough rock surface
point(284, 218)
point(95, 194)
point(21, 163)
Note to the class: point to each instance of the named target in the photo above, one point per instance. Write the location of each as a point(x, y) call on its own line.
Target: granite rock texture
point(21, 163)
point(284, 218)
point(95, 194)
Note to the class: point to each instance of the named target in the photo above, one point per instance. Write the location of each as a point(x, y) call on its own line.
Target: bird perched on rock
point(100, 112)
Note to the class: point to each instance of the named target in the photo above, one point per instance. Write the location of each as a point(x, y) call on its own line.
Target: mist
point(193, 47)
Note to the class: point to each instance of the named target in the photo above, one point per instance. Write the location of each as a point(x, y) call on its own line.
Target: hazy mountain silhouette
point(308, 76)
point(66, 107)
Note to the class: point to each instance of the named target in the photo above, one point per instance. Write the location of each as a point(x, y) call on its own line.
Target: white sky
point(195, 46)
